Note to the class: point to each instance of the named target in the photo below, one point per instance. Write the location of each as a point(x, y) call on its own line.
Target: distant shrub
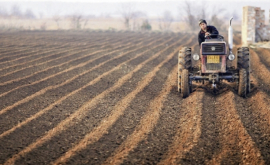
point(111, 29)
point(146, 25)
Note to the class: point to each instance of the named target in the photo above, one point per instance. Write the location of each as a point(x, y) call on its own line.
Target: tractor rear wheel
point(184, 62)
point(242, 83)
point(244, 62)
point(185, 86)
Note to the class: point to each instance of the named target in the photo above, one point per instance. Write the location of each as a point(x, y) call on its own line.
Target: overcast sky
point(89, 0)
point(152, 8)
point(97, 1)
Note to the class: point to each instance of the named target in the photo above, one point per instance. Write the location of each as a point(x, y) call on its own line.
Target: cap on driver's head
point(202, 21)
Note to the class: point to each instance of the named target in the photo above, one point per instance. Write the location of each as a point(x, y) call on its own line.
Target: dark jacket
point(201, 35)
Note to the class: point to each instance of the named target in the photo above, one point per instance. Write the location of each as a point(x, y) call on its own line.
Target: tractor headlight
point(196, 57)
point(231, 57)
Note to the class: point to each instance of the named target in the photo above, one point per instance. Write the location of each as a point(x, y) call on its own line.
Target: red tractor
point(215, 63)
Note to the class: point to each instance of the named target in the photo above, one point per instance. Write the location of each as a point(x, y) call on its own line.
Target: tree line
point(134, 19)
point(17, 12)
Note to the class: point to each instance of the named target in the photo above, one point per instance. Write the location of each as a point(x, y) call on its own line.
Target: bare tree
point(85, 22)
point(216, 18)
point(127, 12)
point(190, 17)
point(56, 19)
point(192, 13)
point(203, 14)
point(138, 16)
point(16, 11)
point(76, 21)
point(87, 18)
point(29, 14)
point(165, 21)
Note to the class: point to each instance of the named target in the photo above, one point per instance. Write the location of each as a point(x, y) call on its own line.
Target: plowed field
point(111, 98)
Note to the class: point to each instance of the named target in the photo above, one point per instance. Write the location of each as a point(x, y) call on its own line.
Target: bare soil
point(111, 98)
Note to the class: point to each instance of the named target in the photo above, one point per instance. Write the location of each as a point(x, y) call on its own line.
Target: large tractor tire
point(184, 58)
point(243, 62)
point(242, 83)
point(184, 62)
point(179, 79)
point(185, 86)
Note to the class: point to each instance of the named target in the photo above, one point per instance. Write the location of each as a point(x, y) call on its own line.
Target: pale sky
point(97, 1)
point(123, 1)
point(152, 8)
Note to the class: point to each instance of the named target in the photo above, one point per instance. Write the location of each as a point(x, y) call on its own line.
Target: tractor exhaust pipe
point(230, 36)
point(230, 42)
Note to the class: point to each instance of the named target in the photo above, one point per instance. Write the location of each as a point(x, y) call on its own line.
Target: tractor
point(213, 64)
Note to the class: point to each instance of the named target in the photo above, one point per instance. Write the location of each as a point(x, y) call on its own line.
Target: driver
point(205, 31)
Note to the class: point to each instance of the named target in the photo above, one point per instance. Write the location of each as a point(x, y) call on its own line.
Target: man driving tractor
point(205, 31)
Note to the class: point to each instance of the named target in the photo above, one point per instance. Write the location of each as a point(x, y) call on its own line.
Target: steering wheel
point(214, 35)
